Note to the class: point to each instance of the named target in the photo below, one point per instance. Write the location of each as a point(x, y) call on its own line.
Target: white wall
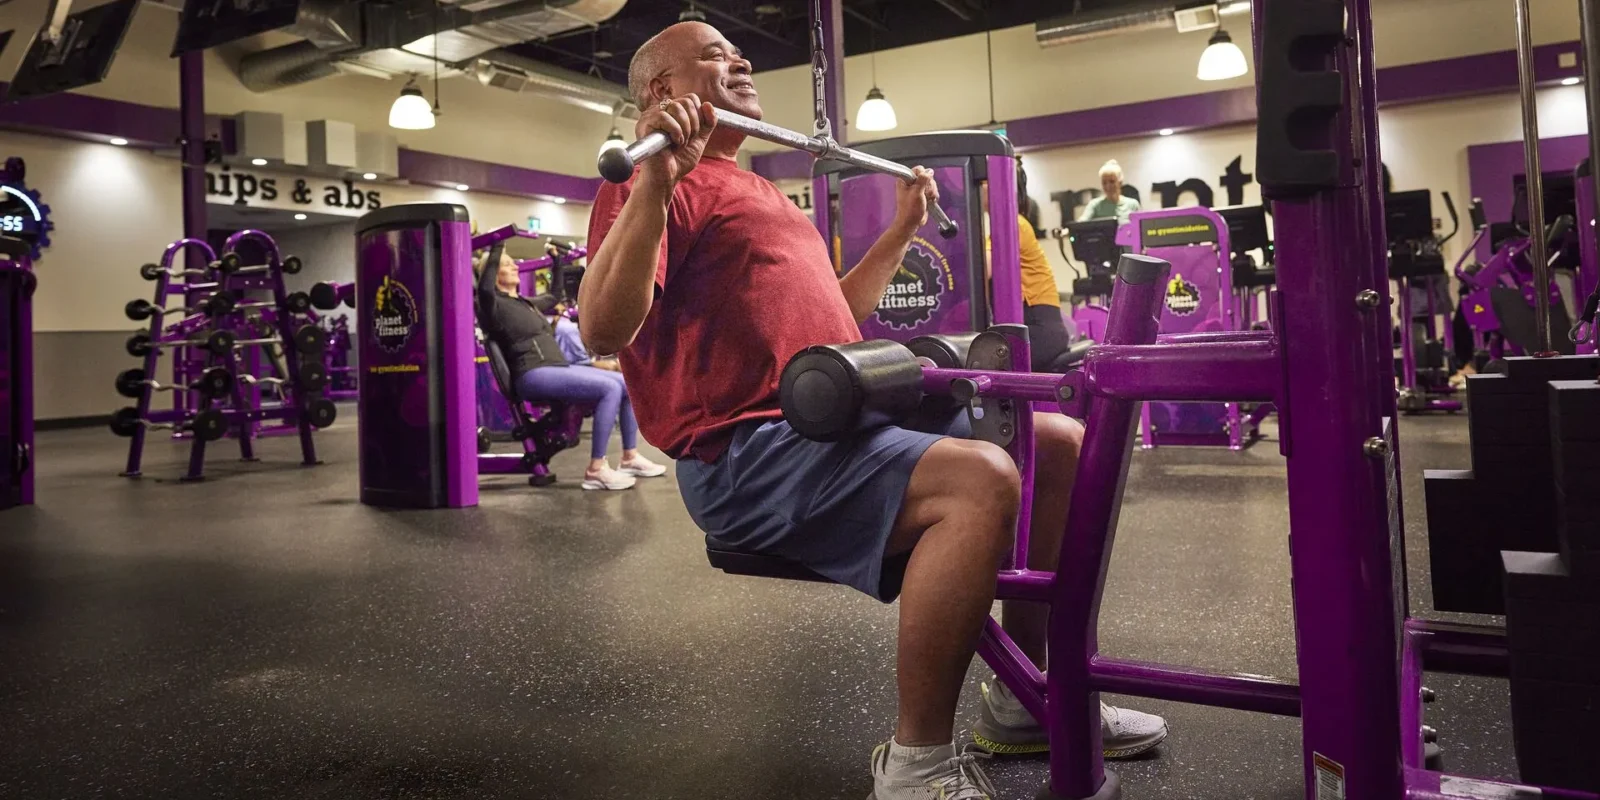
point(1424, 146)
point(116, 208)
point(478, 122)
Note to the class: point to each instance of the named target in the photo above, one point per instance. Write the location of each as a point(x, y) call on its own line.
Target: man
point(705, 279)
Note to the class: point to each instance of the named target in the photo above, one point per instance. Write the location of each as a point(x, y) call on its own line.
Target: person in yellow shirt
point(1041, 302)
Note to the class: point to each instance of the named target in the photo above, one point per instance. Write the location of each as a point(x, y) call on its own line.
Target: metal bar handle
point(616, 165)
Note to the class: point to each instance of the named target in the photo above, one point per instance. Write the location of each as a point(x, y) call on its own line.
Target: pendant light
point(1222, 59)
point(875, 113)
point(411, 111)
point(614, 141)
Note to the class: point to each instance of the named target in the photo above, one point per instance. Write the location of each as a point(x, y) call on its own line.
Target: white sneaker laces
point(967, 781)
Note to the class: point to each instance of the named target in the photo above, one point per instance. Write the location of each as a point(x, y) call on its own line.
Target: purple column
point(1005, 252)
point(1340, 535)
point(192, 110)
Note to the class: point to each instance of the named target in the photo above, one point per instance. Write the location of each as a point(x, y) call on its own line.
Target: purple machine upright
point(17, 283)
point(416, 399)
point(1586, 279)
point(940, 286)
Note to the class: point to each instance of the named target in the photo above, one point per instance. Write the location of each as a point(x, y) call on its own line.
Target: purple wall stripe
point(1190, 112)
point(782, 164)
point(441, 170)
point(1469, 75)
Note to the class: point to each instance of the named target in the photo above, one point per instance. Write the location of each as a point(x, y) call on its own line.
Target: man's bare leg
point(1058, 439)
point(959, 513)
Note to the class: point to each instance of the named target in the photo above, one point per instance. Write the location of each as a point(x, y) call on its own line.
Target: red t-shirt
point(744, 283)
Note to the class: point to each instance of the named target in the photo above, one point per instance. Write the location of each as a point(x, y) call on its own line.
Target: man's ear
point(660, 89)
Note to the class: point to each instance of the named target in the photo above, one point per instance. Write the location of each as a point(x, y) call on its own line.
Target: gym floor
point(262, 634)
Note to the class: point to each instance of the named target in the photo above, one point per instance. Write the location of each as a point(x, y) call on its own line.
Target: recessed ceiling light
point(299, 216)
point(369, 176)
point(461, 187)
point(260, 162)
point(1166, 131)
point(558, 200)
point(1571, 81)
point(119, 141)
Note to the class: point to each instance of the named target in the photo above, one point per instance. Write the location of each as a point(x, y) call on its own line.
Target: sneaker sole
point(591, 486)
point(1035, 748)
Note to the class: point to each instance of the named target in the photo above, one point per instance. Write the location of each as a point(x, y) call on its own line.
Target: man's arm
point(864, 285)
point(619, 284)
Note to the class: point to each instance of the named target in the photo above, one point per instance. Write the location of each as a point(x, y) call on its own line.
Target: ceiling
point(775, 33)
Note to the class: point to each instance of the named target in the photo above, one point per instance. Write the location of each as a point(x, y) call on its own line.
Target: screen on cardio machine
point(1408, 216)
point(1560, 197)
point(1094, 242)
point(1247, 228)
point(80, 57)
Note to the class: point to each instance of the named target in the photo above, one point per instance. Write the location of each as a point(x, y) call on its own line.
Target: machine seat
point(763, 565)
point(1071, 357)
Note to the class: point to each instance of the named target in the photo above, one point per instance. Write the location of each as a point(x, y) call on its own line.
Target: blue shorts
point(828, 506)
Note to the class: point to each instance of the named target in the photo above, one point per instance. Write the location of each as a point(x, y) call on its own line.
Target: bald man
point(705, 280)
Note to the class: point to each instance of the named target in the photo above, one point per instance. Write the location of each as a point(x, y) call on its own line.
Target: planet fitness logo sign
point(394, 314)
point(1183, 297)
point(917, 287)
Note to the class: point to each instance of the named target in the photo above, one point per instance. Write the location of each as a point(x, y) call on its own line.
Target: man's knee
point(1058, 439)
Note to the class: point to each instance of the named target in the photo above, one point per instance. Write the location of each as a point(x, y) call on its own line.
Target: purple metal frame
point(164, 287)
point(1587, 280)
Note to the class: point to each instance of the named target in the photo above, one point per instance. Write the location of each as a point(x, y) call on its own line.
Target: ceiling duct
point(400, 37)
point(506, 70)
point(1086, 25)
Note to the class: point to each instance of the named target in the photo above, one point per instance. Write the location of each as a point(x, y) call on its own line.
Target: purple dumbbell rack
point(242, 411)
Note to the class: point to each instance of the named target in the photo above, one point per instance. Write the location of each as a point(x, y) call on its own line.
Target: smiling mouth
point(741, 86)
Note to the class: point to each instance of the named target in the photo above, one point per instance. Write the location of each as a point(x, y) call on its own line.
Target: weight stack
point(1508, 500)
point(1552, 607)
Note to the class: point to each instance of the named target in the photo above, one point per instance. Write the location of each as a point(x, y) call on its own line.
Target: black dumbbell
point(219, 304)
point(214, 382)
point(321, 412)
point(229, 263)
point(484, 444)
point(208, 425)
point(309, 339)
point(220, 342)
point(292, 265)
point(312, 377)
point(297, 303)
point(139, 345)
point(140, 309)
point(151, 272)
point(326, 295)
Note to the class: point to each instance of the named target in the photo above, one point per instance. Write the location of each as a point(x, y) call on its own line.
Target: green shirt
point(1102, 206)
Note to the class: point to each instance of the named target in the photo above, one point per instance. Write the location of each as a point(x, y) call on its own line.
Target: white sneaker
point(642, 467)
point(1004, 727)
point(939, 774)
point(609, 479)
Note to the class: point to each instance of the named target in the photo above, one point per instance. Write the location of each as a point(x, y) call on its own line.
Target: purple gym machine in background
point(940, 286)
point(417, 403)
point(1199, 298)
point(1586, 281)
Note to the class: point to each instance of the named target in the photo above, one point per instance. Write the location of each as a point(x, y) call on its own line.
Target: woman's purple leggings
point(578, 384)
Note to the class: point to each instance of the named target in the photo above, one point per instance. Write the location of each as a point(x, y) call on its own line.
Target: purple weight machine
point(235, 331)
point(418, 400)
point(1327, 365)
point(1586, 278)
point(1199, 299)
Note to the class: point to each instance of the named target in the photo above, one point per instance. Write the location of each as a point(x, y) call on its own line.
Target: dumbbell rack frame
point(247, 411)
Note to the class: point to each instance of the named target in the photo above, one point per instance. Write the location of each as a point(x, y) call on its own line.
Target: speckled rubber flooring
point(264, 635)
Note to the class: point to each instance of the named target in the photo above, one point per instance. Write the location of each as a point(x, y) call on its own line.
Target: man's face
point(710, 66)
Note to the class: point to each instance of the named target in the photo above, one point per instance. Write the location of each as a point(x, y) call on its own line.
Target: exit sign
point(534, 224)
